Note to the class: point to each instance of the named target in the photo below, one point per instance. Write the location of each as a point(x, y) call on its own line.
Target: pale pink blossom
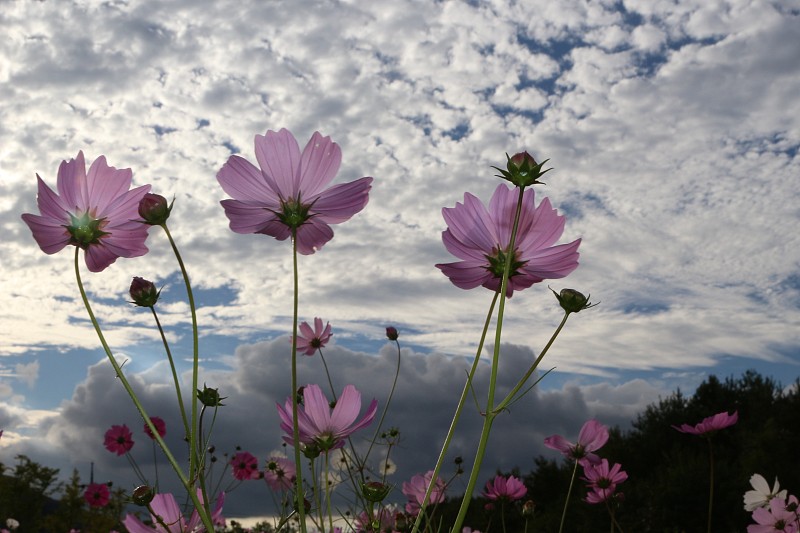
point(774, 518)
point(309, 341)
point(592, 437)
point(290, 191)
point(480, 239)
point(97, 212)
point(416, 488)
point(165, 506)
point(502, 488)
point(602, 480)
point(710, 424)
point(321, 427)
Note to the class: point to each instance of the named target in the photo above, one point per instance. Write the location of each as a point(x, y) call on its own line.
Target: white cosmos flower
point(761, 496)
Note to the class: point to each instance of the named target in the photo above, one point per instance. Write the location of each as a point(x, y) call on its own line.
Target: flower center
point(497, 263)
point(85, 230)
point(294, 213)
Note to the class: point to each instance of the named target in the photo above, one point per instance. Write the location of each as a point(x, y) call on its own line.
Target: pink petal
point(312, 236)
point(593, 436)
point(340, 202)
point(99, 257)
point(71, 183)
point(319, 164)
point(50, 204)
point(50, 235)
point(105, 184)
point(278, 155)
point(243, 181)
point(465, 275)
point(317, 408)
point(346, 411)
point(559, 443)
point(247, 217)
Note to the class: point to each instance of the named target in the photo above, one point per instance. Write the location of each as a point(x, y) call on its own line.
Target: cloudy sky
point(672, 128)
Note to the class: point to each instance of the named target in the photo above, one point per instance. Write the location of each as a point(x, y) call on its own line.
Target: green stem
point(490, 407)
point(174, 373)
point(461, 402)
point(508, 399)
point(330, 381)
point(301, 510)
point(194, 451)
point(385, 408)
point(205, 517)
point(569, 494)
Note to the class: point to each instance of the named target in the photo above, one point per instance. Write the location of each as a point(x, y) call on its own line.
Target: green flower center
point(497, 263)
point(85, 230)
point(294, 213)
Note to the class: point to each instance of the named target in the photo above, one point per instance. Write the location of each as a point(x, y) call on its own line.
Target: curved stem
point(174, 373)
point(461, 402)
point(569, 494)
point(385, 408)
point(301, 510)
point(205, 517)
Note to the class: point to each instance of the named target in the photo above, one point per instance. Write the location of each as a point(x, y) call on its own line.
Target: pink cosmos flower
point(416, 488)
point(774, 519)
point(592, 437)
point(160, 425)
point(502, 488)
point(97, 494)
point(602, 480)
point(321, 427)
point(289, 191)
point(245, 466)
point(480, 239)
point(712, 423)
point(310, 340)
point(96, 212)
point(165, 506)
point(280, 473)
point(119, 439)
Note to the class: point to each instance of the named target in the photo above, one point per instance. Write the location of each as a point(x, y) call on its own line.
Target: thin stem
point(204, 516)
point(327, 373)
point(490, 409)
point(174, 372)
point(457, 415)
point(328, 492)
point(569, 494)
point(533, 367)
point(385, 409)
point(710, 481)
point(295, 425)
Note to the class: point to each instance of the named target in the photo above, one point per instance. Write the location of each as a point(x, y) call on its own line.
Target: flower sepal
point(522, 170)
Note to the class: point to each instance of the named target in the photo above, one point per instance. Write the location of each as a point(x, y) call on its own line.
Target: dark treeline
point(667, 488)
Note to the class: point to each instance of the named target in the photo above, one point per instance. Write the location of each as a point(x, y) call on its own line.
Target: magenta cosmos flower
point(97, 494)
point(602, 480)
point(712, 423)
point(165, 506)
point(96, 212)
point(416, 488)
point(288, 193)
point(160, 425)
point(502, 488)
point(119, 439)
point(592, 437)
point(321, 427)
point(480, 239)
point(245, 466)
point(309, 341)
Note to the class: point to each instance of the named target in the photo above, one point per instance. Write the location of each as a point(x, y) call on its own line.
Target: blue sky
point(672, 128)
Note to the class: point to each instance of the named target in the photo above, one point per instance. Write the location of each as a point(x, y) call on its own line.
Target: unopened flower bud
point(375, 491)
point(143, 495)
point(144, 292)
point(391, 333)
point(522, 170)
point(210, 397)
point(154, 210)
point(573, 301)
point(400, 521)
point(528, 508)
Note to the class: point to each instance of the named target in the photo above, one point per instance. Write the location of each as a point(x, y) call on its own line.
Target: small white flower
point(12, 524)
point(761, 496)
point(387, 467)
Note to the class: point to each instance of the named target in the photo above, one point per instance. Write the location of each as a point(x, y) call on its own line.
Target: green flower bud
point(375, 491)
point(210, 397)
point(144, 292)
point(528, 508)
point(522, 170)
point(573, 301)
point(154, 210)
